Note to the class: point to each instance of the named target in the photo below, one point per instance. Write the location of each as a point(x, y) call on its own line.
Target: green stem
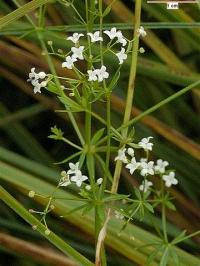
point(130, 92)
point(53, 238)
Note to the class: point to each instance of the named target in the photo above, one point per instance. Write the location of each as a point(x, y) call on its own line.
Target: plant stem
point(131, 88)
point(53, 238)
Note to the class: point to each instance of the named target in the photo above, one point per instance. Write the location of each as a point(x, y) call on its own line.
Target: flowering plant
point(88, 81)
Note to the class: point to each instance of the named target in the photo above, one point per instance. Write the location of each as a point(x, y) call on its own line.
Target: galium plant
point(79, 91)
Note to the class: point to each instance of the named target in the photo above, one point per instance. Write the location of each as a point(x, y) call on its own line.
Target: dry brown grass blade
point(170, 134)
point(36, 252)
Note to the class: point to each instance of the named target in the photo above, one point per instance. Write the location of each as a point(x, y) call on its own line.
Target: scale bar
point(165, 1)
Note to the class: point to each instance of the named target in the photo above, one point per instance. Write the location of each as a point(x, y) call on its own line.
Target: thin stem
point(131, 87)
point(53, 238)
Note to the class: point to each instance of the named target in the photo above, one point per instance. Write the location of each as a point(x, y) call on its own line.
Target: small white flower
point(69, 62)
point(112, 33)
point(143, 160)
point(95, 37)
point(118, 215)
point(38, 86)
point(33, 75)
point(64, 181)
point(73, 168)
point(145, 144)
point(121, 56)
point(102, 74)
point(42, 75)
point(130, 152)
point(78, 178)
point(34, 79)
point(88, 187)
point(77, 52)
point(160, 166)
point(99, 181)
point(132, 166)
point(120, 38)
point(147, 168)
point(121, 156)
point(145, 185)
point(170, 179)
point(142, 50)
point(92, 75)
point(75, 37)
point(141, 32)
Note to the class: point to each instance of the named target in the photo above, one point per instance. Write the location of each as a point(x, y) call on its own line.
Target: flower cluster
point(74, 175)
point(37, 80)
point(145, 167)
point(78, 52)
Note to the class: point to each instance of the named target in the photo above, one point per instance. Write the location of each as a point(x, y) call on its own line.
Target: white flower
point(170, 179)
point(130, 152)
point(132, 166)
point(145, 144)
point(121, 156)
point(92, 75)
point(77, 52)
point(112, 33)
point(75, 37)
point(42, 75)
point(64, 181)
point(120, 38)
point(143, 160)
point(99, 181)
point(102, 74)
point(121, 56)
point(145, 185)
point(34, 79)
point(118, 215)
point(95, 37)
point(160, 166)
point(38, 86)
point(78, 178)
point(69, 62)
point(147, 168)
point(141, 32)
point(73, 168)
point(88, 187)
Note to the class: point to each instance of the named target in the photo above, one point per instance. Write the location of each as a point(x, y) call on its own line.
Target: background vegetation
point(171, 62)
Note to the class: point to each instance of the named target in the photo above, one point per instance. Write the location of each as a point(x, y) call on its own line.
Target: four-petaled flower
point(121, 56)
point(111, 33)
point(145, 144)
point(170, 179)
point(160, 166)
point(75, 37)
point(78, 178)
point(92, 75)
point(73, 168)
point(147, 168)
point(102, 74)
point(95, 37)
point(121, 156)
point(77, 52)
point(145, 185)
point(132, 166)
point(120, 38)
point(141, 32)
point(69, 62)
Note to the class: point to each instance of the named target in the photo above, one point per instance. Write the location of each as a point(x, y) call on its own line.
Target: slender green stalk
point(131, 87)
point(53, 238)
point(160, 104)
